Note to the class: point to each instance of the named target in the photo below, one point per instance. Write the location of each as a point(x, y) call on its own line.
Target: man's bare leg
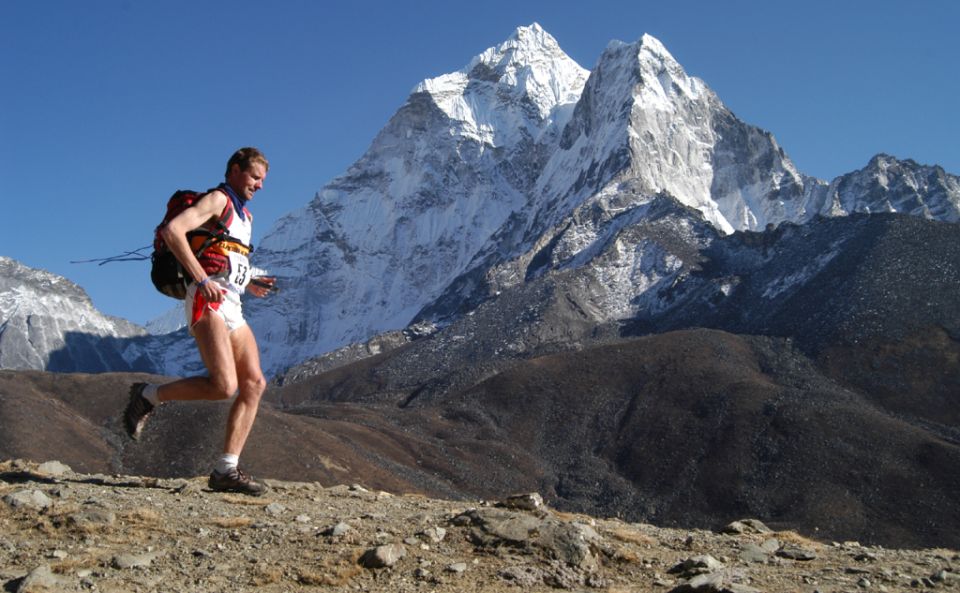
point(233, 363)
point(243, 412)
point(216, 351)
point(251, 383)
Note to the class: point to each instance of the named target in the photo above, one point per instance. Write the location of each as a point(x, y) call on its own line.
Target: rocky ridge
point(66, 532)
point(48, 322)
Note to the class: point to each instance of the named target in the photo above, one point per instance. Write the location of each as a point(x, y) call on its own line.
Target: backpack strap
point(218, 232)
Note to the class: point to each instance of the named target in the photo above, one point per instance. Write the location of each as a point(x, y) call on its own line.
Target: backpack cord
point(135, 255)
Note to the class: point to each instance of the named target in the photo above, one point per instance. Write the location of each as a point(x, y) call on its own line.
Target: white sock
point(227, 462)
point(151, 393)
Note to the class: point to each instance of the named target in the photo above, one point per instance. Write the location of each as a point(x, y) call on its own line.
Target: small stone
point(754, 553)
point(793, 553)
point(383, 556)
point(275, 508)
point(383, 536)
point(711, 581)
point(421, 573)
point(53, 468)
point(128, 561)
point(945, 576)
point(337, 530)
point(303, 518)
point(745, 526)
point(457, 567)
point(28, 499)
point(697, 565)
point(40, 578)
point(433, 534)
point(524, 502)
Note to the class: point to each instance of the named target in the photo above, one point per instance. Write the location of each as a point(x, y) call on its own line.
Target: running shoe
point(137, 412)
point(236, 480)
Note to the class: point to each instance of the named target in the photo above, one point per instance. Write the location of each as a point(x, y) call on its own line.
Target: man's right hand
point(211, 291)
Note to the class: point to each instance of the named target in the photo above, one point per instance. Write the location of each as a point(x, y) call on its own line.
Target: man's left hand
point(261, 286)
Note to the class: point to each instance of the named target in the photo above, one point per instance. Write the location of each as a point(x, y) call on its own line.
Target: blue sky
point(107, 106)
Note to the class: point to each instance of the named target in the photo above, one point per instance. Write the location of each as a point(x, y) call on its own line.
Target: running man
point(220, 274)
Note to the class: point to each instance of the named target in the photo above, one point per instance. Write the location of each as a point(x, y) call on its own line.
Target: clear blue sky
point(109, 105)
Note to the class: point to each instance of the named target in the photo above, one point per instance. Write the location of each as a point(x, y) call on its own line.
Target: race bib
point(239, 270)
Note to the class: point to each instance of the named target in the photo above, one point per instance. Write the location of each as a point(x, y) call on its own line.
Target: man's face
point(246, 183)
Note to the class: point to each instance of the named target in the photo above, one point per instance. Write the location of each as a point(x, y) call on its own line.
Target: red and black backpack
point(166, 272)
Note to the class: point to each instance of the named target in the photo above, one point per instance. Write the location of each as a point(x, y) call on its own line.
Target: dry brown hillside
point(689, 429)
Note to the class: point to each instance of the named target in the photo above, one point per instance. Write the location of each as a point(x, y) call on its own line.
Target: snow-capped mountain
point(449, 170)
point(48, 322)
point(643, 122)
point(887, 184)
point(521, 163)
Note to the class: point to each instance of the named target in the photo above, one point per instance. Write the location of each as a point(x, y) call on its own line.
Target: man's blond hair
point(245, 158)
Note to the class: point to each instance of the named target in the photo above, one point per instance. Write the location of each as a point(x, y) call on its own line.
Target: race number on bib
point(239, 270)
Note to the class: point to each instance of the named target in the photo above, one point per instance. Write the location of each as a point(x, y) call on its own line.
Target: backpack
point(166, 272)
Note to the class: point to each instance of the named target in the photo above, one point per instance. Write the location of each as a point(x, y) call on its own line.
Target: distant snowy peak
point(662, 82)
point(888, 184)
point(641, 120)
point(528, 70)
point(49, 323)
point(644, 123)
point(29, 292)
point(16, 277)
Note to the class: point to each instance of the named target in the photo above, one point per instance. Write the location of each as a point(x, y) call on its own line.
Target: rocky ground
point(64, 531)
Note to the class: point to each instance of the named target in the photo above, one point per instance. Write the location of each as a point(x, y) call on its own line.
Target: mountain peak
point(48, 322)
point(530, 62)
point(527, 44)
point(653, 45)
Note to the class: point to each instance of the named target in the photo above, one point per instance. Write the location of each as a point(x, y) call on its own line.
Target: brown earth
point(689, 429)
point(71, 532)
